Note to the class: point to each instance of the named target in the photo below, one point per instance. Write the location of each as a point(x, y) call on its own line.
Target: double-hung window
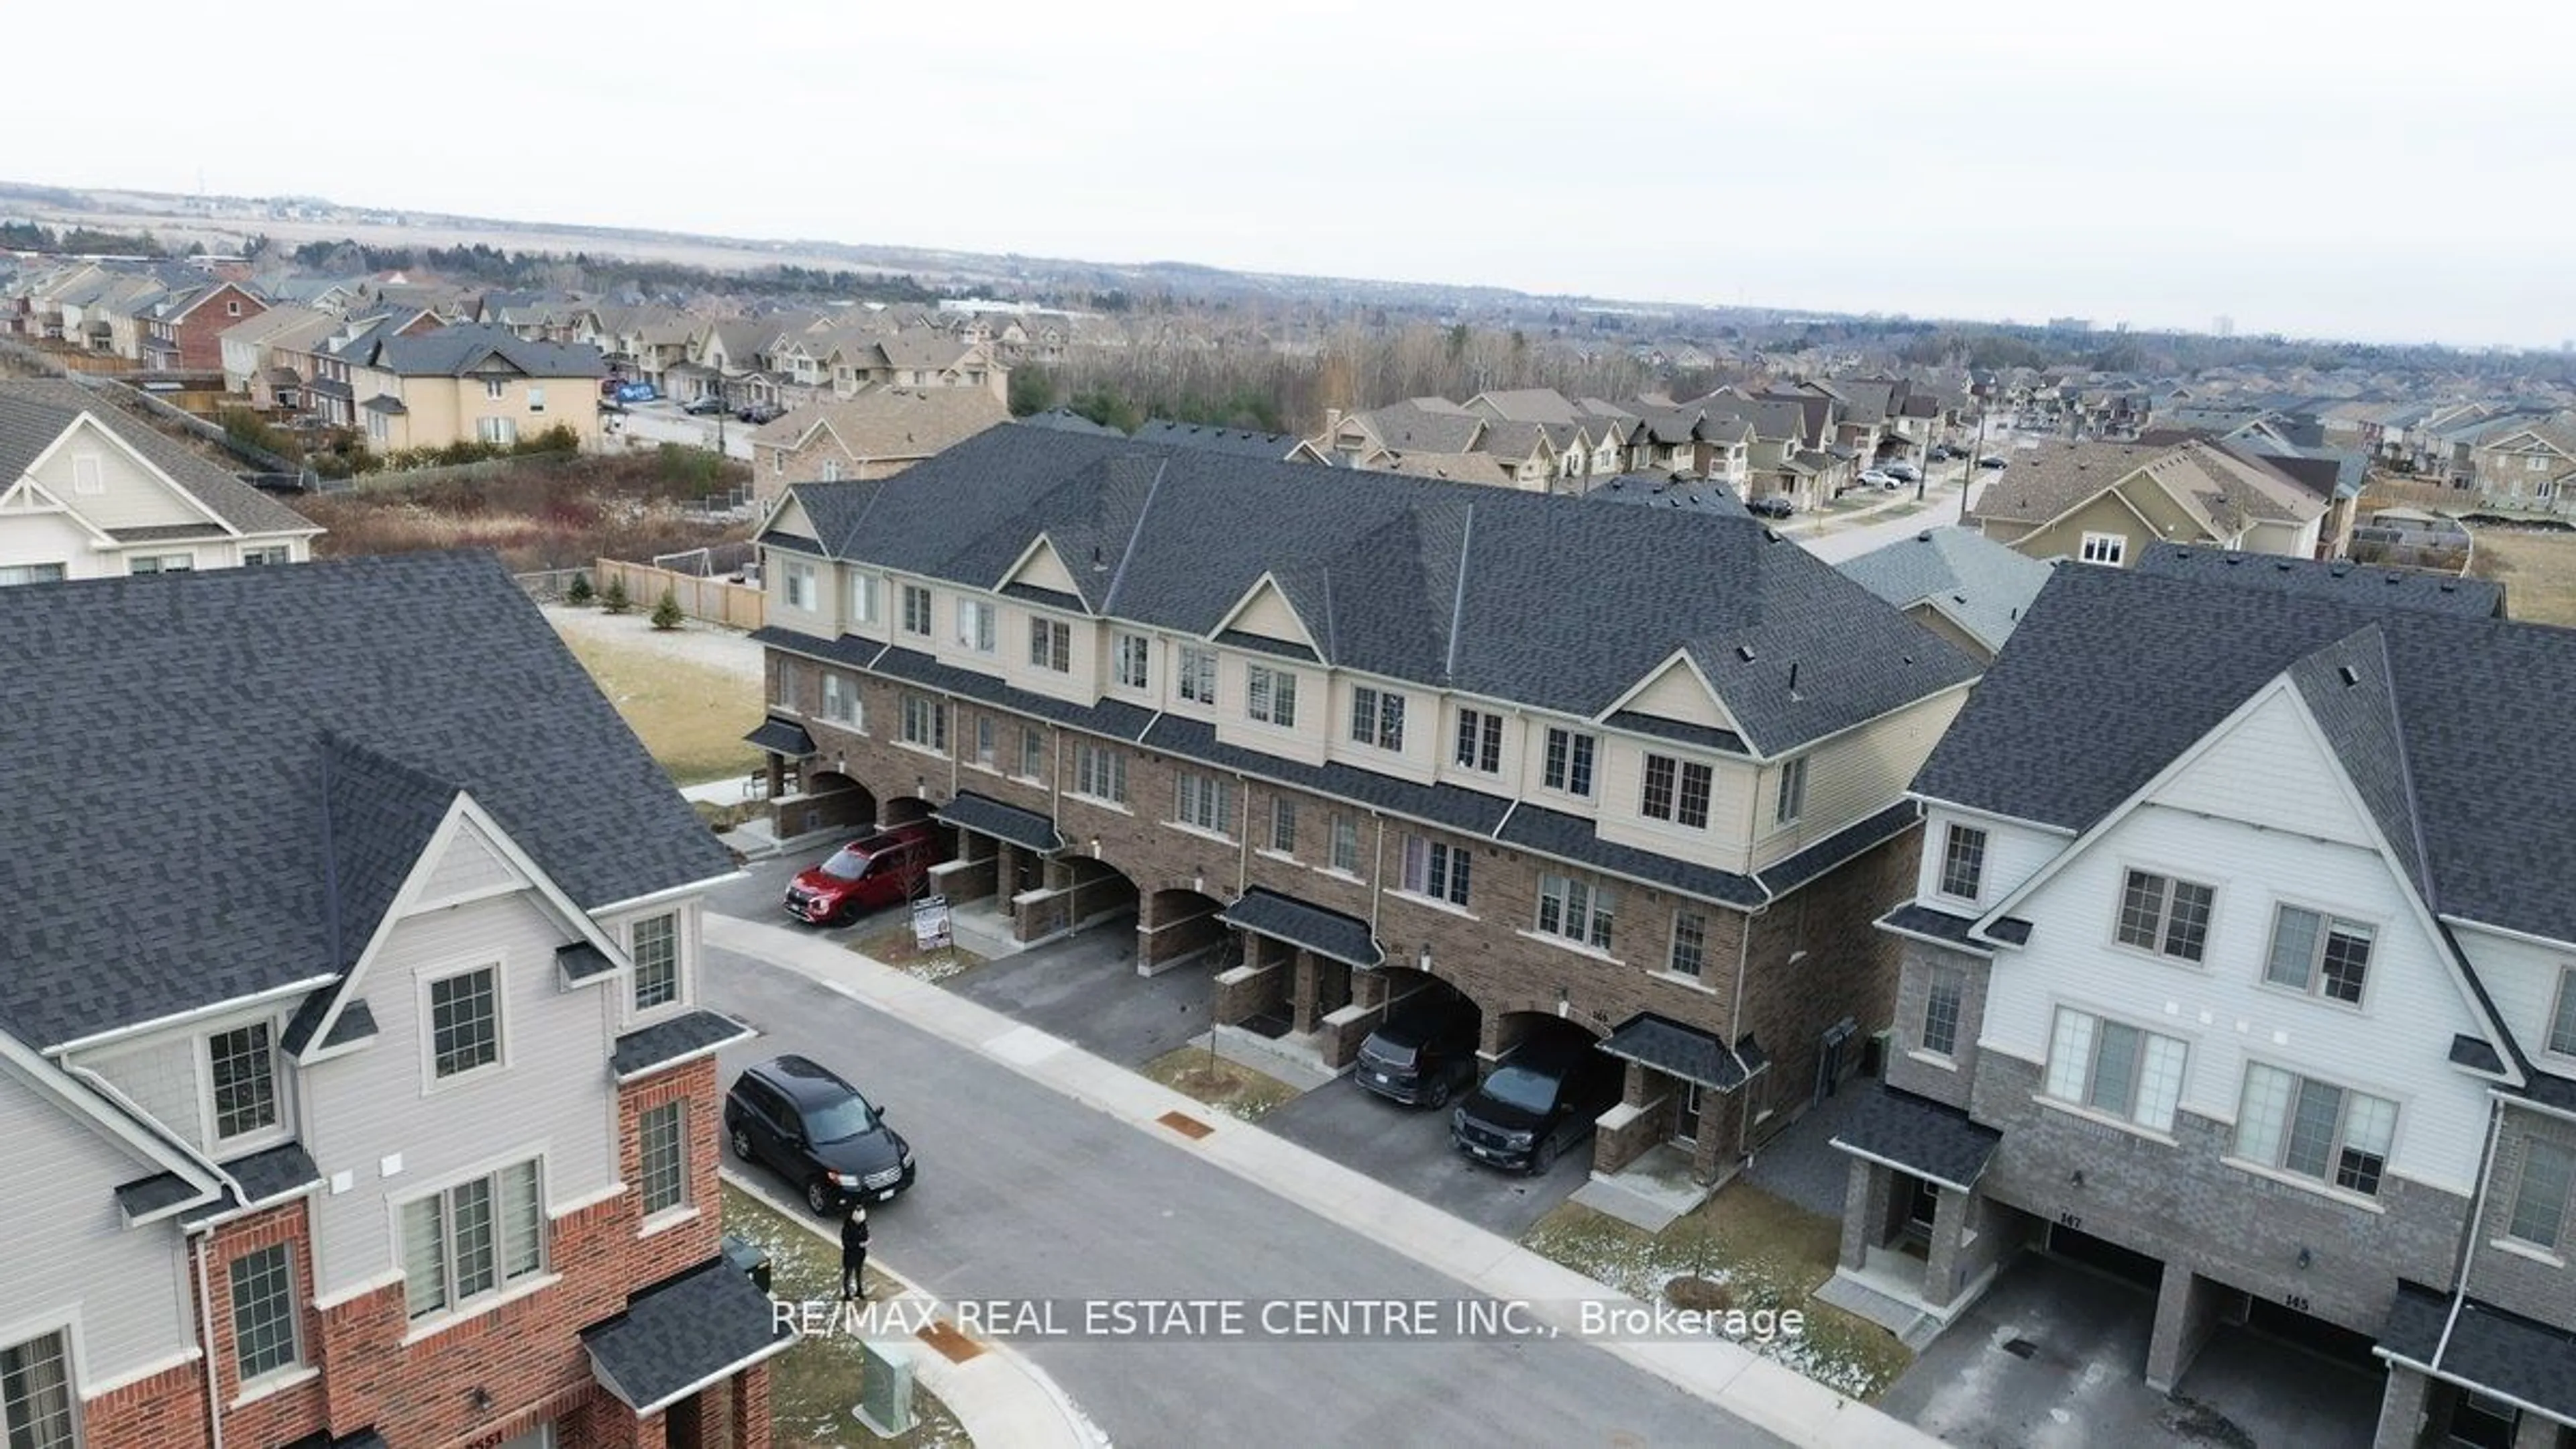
point(263, 1286)
point(1792, 801)
point(1436, 869)
point(916, 610)
point(1100, 772)
point(1198, 675)
point(1204, 802)
point(2168, 916)
point(1942, 995)
point(2116, 1069)
point(499, 432)
point(244, 1072)
point(1346, 844)
point(1690, 943)
point(1270, 696)
point(1675, 790)
point(2319, 954)
point(1051, 645)
point(473, 1239)
point(2540, 1193)
point(464, 1022)
point(863, 599)
point(36, 1400)
point(975, 625)
point(799, 580)
point(655, 949)
point(1033, 759)
point(987, 733)
point(1576, 910)
point(1568, 764)
point(1283, 825)
point(2315, 1129)
point(1963, 861)
point(1135, 661)
point(841, 699)
point(1377, 718)
point(1480, 741)
point(662, 1150)
point(925, 722)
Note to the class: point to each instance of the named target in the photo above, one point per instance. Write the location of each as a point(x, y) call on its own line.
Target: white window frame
point(1343, 849)
point(1135, 654)
point(1050, 644)
point(1270, 695)
point(2562, 1015)
point(987, 740)
point(1959, 840)
point(1032, 753)
point(2151, 1083)
point(1377, 718)
point(976, 622)
point(1580, 911)
point(677, 968)
point(2111, 550)
point(2313, 979)
point(798, 579)
point(269, 555)
point(676, 1173)
point(161, 563)
point(2266, 1144)
point(494, 389)
point(1099, 772)
point(214, 1117)
point(429, 981)
point(841, 699)
point(1196, 674)
point(2522, 1219)
point(283, 1254)
point(1203, 802)
point(1671, 803)
point(1578, 761)
point(1943, 985)
point(1283, 826)
point(1791, 801)
point(2161, 946)
point(1478, 745)
point(67, 1432)
point(1689, 928)
point(1437, 870)
point(500, 432)
point(917, 615)
point(452, 1303)
point(863, 599)
point(921, 710)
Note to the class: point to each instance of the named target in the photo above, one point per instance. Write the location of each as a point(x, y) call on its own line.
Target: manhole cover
point(2020, 1347)
point(1185, 1124)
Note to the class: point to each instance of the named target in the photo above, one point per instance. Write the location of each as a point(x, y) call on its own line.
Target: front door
point(1686, 1121)
point(1923, 1211)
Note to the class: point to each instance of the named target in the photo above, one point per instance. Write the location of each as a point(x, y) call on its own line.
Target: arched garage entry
point(1178, 926)
point(829, 800)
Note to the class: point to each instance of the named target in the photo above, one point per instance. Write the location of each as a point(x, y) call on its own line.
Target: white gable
point(1043, 568)
point(792, 519)
point(471, 865)
point(2269, 769)
point(1265, 611)
point(1676, 692)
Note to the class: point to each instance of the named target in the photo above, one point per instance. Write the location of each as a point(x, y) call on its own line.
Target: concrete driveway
point(1085, 989)
point(2054, 1356)
point(1407, 1148)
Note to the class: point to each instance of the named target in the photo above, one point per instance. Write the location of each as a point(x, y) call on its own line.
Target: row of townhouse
point(86, 491)
point(1804, 440)
point(161, 317)
point(390, 1118)
point(2238, 960)
point(1620, 775)
point(790, 359)
point(402, 379)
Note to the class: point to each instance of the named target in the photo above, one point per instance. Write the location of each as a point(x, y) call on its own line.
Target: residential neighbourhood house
point(389, 1117)
point(1319, 721)
point(470, 383)
point(2236, 963)
point(183, 330)
point(2105, 502)
point(88, 492)
point(873, 434)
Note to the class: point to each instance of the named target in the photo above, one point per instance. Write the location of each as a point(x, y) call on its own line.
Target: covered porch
point(1678, 1129)
point(1309, 981)
point(686, 1364)
point(1919, 1243)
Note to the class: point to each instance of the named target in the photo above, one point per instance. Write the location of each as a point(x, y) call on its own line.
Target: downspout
point(2477, 1224)
point(1243, 840)
point(1377, 870)
point(206, 1322)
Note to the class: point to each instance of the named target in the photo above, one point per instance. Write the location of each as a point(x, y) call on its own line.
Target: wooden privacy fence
point(715, 600)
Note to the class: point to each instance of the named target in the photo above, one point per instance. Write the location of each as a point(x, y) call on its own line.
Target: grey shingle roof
point(2114, 673)
point(781, 737)
point(455, 351)
point(2504, 1353)
point(287, 732)
point(1381, 558)
point(1915, 1132)
point(1983, 585)
point(690, 1034)
point(1682, 1051)
point(34, 412)
point(1025, 828)
point(683, 1332)
point(1285, 918)
point(1648, 491)
point(2329, 579)
point(1921, 920)
point(1268, 447)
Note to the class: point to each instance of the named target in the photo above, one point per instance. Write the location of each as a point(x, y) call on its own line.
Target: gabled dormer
point(1266, 621)
point(1675, 701)
point(1043, 575)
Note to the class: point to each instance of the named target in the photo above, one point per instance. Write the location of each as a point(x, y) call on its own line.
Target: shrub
point(615, 599)
point(666, 614)
point(580, 592)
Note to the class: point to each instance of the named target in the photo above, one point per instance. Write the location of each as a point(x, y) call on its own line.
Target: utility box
point(885, 1387)
point(747, 1259)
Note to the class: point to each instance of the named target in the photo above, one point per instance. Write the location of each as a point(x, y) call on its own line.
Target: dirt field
point(690, 694)
point(2537, 569)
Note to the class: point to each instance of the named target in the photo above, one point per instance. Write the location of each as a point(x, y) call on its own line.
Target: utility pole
point(1968, 474)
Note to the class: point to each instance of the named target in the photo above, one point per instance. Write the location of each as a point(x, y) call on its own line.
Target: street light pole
point(1968, 474)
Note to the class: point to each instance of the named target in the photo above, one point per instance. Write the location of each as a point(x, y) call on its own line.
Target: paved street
point(647, 424)
point(1024, 1193)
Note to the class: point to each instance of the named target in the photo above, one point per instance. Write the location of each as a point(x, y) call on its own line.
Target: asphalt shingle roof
point(1677, 1050)
point(2326, 579)
point(2502, 1352)
point(1915, 1132)
point(2114, 673)
point(34, 412)
point(686, 1035)
point(1286, 918)
point(456, 351)
point(683, 1332)
point(1983, 585)
point(1375, 565)
point(1024, 828)
point(288, 733)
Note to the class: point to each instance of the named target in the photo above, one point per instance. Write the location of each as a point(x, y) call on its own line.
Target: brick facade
point(2513, 1281)
point(524, 1355)
point(1807, 961)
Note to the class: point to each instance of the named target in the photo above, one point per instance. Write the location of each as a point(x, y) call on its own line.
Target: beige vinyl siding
point(1677, 694)
point(1851, 776)
point(551, 1095)
point(1268, 615)
point(70, 1256)
point(1619, 782)
point(1046, 569)
point(129, 496)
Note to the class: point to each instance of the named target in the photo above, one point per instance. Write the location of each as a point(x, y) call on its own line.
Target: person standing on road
point(854, 1253)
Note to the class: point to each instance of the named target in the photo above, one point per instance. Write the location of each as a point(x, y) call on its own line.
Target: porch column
point(1953, 1218)
point(2401, 1410)
point(1302, 993)
point(1864, 1211)
point(1006, 869)
point(2186, 1312)
point(2536, 1432)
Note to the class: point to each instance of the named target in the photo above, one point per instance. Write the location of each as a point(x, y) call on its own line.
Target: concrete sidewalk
point(1733, 1378)
point(998, 1396)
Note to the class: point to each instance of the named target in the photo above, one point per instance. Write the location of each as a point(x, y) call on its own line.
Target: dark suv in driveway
point(1539, 1102)
point(1426, 1051)
point(806, 1124)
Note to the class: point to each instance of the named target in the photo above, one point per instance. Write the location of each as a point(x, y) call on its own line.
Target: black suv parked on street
point(803, 1122)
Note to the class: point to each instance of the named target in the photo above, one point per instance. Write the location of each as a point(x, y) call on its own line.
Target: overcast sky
point(2303, 168)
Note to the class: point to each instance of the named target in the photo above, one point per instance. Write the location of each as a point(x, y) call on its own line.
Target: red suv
point(877, 870)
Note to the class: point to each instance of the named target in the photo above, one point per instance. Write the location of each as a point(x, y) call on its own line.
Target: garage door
point(2312, 1333)
point(2106, 1256)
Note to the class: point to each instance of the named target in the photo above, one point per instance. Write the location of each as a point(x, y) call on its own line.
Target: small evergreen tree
point(614, 599)
point(666, 614)
point(580, 593)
